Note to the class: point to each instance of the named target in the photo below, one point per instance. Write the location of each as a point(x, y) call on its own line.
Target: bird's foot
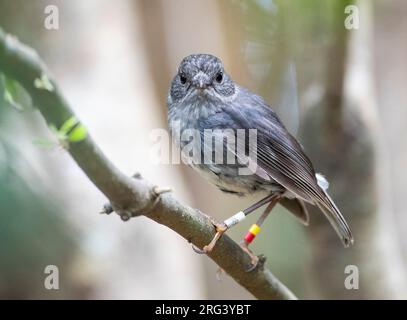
point(254, 259)
point(220, 230)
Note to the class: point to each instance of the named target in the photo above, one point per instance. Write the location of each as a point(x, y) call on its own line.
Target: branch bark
point(132, 197)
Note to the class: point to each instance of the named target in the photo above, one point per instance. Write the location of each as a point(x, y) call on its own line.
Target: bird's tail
point(333, 214)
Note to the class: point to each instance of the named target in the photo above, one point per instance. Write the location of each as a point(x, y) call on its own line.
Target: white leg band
point(235, 219)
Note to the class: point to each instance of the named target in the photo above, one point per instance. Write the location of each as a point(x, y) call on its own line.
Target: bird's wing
point(276, 152)
point(279, 154)
point(282, 157)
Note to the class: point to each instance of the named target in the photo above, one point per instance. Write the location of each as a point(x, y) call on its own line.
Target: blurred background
point(114, 61)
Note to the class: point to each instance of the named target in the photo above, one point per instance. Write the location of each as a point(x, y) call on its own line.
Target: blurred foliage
point(13, 94)
point(33, 231)
point(277, 31)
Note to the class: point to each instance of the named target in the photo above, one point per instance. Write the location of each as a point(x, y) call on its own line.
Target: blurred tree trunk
point(341, 145)
point(390, 64)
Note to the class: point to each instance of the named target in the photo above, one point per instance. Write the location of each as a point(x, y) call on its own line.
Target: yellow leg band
point(254, 229)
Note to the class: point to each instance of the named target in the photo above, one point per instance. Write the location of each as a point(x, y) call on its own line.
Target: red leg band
point(249, 237)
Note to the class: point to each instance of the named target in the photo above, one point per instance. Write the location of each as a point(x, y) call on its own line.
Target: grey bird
point(203, 97)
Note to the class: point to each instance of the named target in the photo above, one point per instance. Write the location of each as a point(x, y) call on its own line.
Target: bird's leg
point(232, 221)
point(254, 230)
point(219, 227)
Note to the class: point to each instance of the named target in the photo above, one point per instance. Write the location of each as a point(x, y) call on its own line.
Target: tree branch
point(132, 196)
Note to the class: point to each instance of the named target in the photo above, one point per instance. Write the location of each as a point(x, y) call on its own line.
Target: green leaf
point(14, 95)
point(9, 99)
point(43, 83)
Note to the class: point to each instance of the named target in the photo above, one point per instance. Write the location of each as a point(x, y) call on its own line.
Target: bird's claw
point(208, 248)
point(253, 265)
point(220, 230)
point(107, 209)
point(255, 260)
point(197, 250)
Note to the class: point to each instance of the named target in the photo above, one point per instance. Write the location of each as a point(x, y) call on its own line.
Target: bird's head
point(201, 76)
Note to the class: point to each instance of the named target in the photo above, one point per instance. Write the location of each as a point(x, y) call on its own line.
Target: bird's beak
point(200, 81)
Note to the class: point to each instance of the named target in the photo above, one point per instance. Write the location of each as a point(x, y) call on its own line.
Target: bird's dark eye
point(219, 77)
point(182, 78)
